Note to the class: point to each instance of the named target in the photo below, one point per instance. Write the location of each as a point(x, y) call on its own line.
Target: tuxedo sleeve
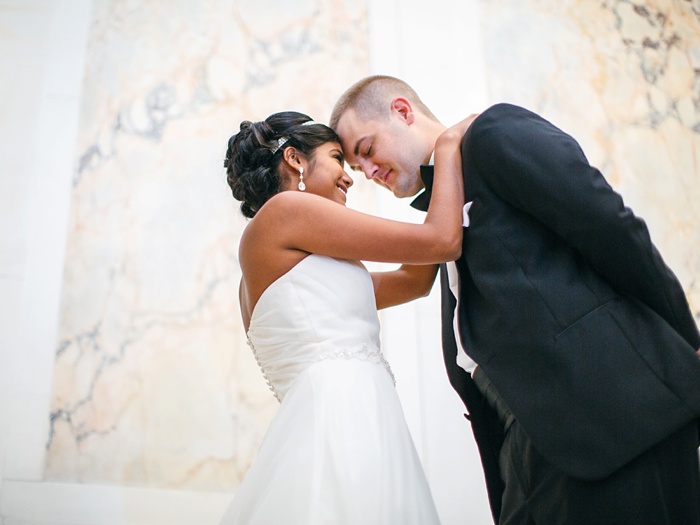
point(542, 171)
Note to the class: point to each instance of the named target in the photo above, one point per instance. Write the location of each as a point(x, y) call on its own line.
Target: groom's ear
point(403, 109)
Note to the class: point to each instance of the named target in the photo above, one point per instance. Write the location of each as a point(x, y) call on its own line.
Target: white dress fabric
point(338, 451)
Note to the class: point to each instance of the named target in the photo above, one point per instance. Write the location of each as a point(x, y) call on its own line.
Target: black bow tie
point(423, 200)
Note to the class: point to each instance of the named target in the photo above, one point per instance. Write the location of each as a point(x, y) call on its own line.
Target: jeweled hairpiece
point(280, 142)
point(283, 139)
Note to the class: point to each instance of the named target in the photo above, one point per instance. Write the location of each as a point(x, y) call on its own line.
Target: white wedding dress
point(338, 451)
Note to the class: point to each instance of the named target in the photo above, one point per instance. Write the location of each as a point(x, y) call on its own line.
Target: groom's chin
point(407, 193)
point(402, 189)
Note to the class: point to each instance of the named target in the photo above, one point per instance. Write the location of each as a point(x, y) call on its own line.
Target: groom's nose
point(369, 168)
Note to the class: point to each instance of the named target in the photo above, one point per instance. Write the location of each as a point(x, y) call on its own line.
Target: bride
point(338, 451)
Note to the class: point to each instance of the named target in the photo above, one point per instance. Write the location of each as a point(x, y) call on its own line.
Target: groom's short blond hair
point(371, 99)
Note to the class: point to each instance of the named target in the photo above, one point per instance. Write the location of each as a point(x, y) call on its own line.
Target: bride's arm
point(313, 224)
point(404, 284)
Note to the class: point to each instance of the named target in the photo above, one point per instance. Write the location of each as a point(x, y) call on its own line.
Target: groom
point(565, 334)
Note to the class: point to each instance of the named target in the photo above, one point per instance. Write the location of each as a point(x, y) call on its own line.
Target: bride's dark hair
point(254, 154)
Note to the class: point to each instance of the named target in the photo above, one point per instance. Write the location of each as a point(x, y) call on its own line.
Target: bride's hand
point(454, 134)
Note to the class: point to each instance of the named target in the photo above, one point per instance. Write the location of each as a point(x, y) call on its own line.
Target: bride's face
point(326, 174)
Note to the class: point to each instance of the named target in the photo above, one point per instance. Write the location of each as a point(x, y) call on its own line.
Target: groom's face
point(384, 150)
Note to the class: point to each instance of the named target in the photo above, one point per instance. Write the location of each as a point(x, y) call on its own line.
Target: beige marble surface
point(153, 383)
point(623, 77)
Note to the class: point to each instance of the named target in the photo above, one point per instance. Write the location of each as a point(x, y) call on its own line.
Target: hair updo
point(253, 156)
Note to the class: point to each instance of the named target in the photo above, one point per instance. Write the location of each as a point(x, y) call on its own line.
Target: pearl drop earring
point(301, 186)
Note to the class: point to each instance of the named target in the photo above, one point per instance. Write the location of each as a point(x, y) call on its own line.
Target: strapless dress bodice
point(323, 308)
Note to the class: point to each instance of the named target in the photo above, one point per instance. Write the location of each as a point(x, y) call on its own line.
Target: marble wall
point(623, 76)
point(153, 383)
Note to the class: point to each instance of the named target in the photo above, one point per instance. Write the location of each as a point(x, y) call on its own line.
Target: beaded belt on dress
point(364, 352)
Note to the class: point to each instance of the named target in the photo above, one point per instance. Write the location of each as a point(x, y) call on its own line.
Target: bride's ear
point(293, 158)
point(293, 163)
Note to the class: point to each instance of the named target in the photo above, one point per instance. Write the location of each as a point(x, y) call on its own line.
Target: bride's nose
point(347, 179)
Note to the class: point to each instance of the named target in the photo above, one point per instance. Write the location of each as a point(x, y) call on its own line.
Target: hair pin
point(283, 139)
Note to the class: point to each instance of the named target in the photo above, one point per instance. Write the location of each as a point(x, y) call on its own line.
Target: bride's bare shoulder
point(286, 199)
point(263, 227)
point(287, 206)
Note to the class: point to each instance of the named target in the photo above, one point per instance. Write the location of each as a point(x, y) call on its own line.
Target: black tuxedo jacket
point(566, 305)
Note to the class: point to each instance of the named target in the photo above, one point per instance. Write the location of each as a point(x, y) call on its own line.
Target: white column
point(50, 169)
point(435, 47)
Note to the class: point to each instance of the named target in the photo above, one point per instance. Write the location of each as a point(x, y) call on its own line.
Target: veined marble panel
point(153, 383)
point(623, 77)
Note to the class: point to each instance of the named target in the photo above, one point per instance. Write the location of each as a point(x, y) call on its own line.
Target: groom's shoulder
point(503, 110)
point(504, 118)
